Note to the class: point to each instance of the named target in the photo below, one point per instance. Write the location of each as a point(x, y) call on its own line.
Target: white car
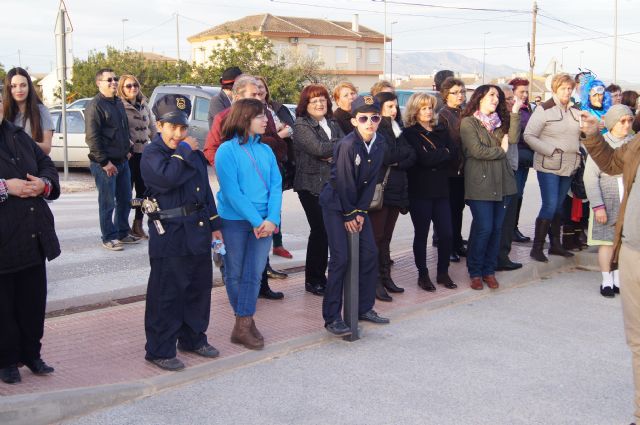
point(77, 148)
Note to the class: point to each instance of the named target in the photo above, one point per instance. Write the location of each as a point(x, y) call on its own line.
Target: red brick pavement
point(106, 346)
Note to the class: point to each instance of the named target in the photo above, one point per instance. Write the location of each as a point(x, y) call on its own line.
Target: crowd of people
point(355, 167)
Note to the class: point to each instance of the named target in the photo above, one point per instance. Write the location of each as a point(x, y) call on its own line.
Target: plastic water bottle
point(217, 251)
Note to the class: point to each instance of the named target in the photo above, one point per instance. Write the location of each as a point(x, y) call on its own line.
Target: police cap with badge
point(364, 104)
point(173, 108)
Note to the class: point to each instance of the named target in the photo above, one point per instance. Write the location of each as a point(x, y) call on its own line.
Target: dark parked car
point(200, 97)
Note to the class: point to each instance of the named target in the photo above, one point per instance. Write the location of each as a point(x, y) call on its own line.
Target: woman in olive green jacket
point(486, 130)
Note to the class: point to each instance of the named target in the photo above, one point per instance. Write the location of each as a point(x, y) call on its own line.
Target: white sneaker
point(114, 245)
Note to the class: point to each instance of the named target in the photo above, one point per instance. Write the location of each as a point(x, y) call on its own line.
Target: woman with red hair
point(315, 133)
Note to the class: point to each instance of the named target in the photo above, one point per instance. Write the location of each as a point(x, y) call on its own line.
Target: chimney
point(354, 24)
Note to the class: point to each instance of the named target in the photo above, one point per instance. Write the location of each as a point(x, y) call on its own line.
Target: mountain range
point(428, 63)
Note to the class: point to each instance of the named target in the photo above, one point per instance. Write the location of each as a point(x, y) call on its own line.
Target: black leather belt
point(183, 211)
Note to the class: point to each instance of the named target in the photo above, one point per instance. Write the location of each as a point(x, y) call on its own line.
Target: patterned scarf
point(490, 122)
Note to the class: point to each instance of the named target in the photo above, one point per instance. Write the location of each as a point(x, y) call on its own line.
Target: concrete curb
point(45, 408)
point(113, 295)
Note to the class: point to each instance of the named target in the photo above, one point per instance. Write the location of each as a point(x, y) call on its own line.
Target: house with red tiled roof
point(347, 50)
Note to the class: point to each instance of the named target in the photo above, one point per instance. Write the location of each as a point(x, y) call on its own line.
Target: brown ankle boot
point(138, 230)
point(255, 331)
point(242, 334)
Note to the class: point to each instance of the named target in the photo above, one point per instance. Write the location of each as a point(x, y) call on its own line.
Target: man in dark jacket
point(27, 238)
point(223, 100)
point(107, 135)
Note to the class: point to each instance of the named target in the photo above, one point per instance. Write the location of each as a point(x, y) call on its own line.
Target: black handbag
point(378, 193)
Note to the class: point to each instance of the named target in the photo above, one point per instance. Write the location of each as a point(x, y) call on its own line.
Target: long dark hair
point(11, 109)
point(238, 122)
point(474, 104)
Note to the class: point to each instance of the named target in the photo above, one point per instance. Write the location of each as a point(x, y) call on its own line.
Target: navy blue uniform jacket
point(354, 174)
point(176, 178)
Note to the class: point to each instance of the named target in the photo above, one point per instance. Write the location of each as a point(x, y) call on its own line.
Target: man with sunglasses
point(107, 135)
point(345, 199)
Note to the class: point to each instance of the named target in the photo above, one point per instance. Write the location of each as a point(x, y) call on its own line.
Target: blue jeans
point(553, 189)
point(244, 262)
point(114, 193)
point(484, 238)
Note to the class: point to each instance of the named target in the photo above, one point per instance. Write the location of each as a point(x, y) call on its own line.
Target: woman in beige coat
point(553, 134)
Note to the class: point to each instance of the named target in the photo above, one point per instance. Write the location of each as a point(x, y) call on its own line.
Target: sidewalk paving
point(99, 354)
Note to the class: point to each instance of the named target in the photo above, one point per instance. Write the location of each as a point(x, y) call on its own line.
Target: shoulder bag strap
point(255, 165)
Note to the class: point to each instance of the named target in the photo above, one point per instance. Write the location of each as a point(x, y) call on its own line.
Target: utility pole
point(123, 21)
point(19, 59)
point(384, 43)
point(391, 55)
point(615, 41)
point(532, 50)
point(178, 43)
point(484, 52)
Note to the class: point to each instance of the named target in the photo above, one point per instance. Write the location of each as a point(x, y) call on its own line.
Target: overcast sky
point(28, 27)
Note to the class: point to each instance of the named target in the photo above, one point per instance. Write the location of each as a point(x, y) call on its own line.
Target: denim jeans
point(114, 193)
point(553, 189)
point(244, 262)
point(484, 240)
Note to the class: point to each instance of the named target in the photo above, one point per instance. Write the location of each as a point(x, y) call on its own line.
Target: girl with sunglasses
point(141, 130)
point(429, 186)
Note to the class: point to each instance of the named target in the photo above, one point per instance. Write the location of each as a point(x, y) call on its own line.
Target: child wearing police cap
point(345, 199)
point(180, 235)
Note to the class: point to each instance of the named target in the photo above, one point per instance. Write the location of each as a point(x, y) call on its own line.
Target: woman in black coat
point(27, 238)
point(429, 186)
point(399, 156)
point(315, 134)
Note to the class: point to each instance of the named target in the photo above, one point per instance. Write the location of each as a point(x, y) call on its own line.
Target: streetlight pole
point(484, 52)
point(615, 40)
point(123, 21)
point(391, 56)
point(562, 59)
point(580, 63)
point(384, 45)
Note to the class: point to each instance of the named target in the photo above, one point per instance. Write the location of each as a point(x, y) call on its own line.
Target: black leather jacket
point(107, 130)
point(27, 233)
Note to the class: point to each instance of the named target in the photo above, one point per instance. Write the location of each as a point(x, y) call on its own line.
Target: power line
point(435, 6)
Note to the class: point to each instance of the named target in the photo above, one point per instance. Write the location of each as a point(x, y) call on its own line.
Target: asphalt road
point(548, 352)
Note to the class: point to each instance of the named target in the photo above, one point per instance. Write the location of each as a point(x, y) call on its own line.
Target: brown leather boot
point(242, 334)
point(491, 281)
point(542, 227)
point(138, 230)
point(255, 331)
point(476, 283)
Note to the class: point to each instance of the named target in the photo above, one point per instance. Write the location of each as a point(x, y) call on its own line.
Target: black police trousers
point(338, 266)
point(178, 304)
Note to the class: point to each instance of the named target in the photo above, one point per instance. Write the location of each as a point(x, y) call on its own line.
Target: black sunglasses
point(130, 86)
point(111, 80)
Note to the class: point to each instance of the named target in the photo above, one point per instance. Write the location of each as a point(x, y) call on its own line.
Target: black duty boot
point(556, 247)
point(542, 227)
point(267, 293)
point(381, 293)
point(385, 275)
point(10, 375)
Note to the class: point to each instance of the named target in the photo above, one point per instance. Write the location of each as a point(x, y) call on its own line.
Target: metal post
point(351, 287)
point(484, 53)
point(391, 55)
point(532, 50)
point(384, 44)
point(123, 21)
point(63, 47)
point(615, 41)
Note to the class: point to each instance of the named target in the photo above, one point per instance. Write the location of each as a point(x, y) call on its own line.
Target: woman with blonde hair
point(553, 133)
point(344, 94)
point(428, 186)
point(142, 128)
